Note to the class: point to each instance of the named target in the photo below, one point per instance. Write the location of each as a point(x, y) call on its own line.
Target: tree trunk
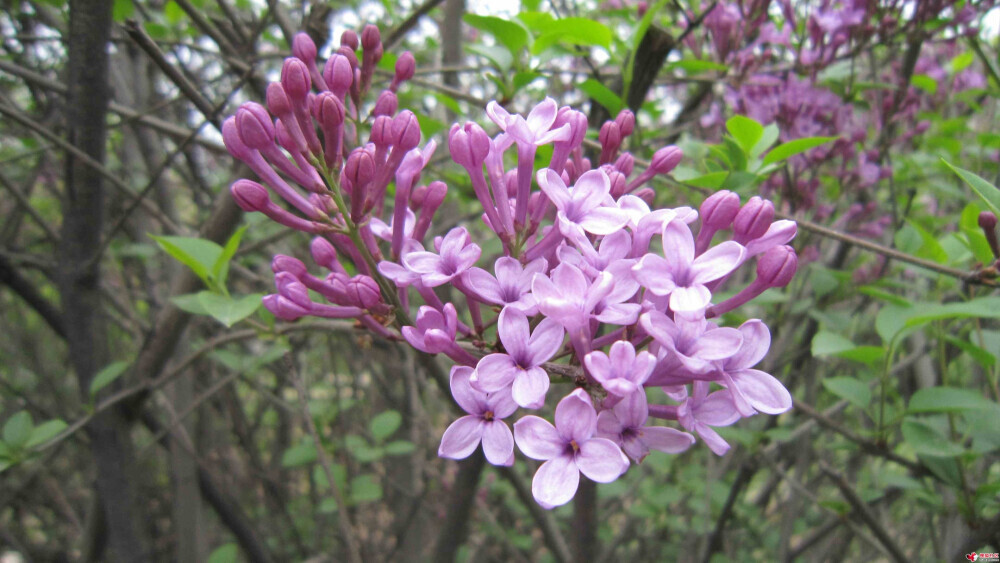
point(80, 276)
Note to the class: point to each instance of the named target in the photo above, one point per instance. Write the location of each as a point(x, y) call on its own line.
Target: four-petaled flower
point(568, 449)
point(457, 254)
point(587, 207)
point(621, 371)
point(625, 424)
point(484, 423)
point(511, 288)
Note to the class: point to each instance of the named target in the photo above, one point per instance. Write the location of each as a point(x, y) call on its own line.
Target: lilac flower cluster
point(626, 295)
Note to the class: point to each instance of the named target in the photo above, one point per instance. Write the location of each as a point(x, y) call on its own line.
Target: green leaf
point(522, 79)
point(602, 94)
point(962, 62)
point(925, 440)
point(770, 135)
point(400, 447)
point(981, 307)
point(198, 254)
point(828, 343)
point(17, 430)
point(229, 310)
point(712, 180)
point(226, 553)
point(746, 131)
point(497, 55)
point(979, 354)
point(925, 83)
point(986, 190)
point(122, 10)
point(364, 488)
point(508, 32)
point(221, 267)
point(190, 303)
point(173, 12)
point(948, 399)
point(891, 321)
point(385, 424)
point(794, 147)
point(931, 248)
point(852, 390)
point(45, 432)
point(574, 31)
point(107, 376)
point(695, 66)
point(362, 450)
point(297, 456)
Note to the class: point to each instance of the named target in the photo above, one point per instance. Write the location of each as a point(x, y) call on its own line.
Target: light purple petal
point(461, 438)
point(422, 262)
point(494, 372)
point(633, 410)
point(530, 387)
point(764, 392)
point(553, 187)
point(655, 273)
point(669, 440)
point(469, 399)
point(661, 327)
point(575, 417)
point(508, 270)
point(538, 439)
point(498, 443)
point(604, 220)
point(601, 460)
point(717, 344)
point(718, 261)
point(689, 299)
point(484, 286)
point(555, 482)
point(608, 426)
point(513, 329)
point(717, 409)
point(678, 244)
point(563, 133)
point(599, 365)
point(756, 342)
point(542, 116)
point(570, 281)
point(501, 403)
point(544, 342)
point(498, 114)
point(622, 314)
point(712, 439)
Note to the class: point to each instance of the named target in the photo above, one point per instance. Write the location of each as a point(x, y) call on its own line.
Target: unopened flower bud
point(777, 266)
point(231, 138)
point(338, 74)
point(618, 182)
point(250, 195)
point(610, 138)
point(363, 292)
point(292, 289)
point(290, 264)
point(988, 223)
point(370, 37)
point(405, 131)
point(469, 145)
point(719, 209)
point(283, 308)
point(295, 80)
point(647, 195)
point(360, 167)
point(406, 65)
point(254, 126)
point(328, 111)
point(323, 253)
point(625, 164)
point(387, 103)
point(349, 39)
point(666, 159)
point(381, 135)
point(753, 220)
point(626, 122)
point(303, 47)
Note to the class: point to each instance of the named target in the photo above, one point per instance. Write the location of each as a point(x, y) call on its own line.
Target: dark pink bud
point(386, 104)
point(349, 39)
point(469, 145)
point(610, 136)
point(405, 67)
point(303, 47)
point(618, 182)
point(294, 266)
point(323, 253)
point(405, 130)
point(292, 289)
point(370, 37)
point(626, 122)
point(625, 163)
point(381, 135)
point(231, 138)
point(283, 308)
point(647, 195)
point(435, 194)
point(577, 123)
point(719, 210)
point(360, 167)
point(254, 126)
point(988, 223)
point(329, 111)
point(250, 195)
point(283, 137)
point(277, 100)
point(753, 220)
point(338, 74)
point(363, 292)
point(666, 159)
point(295, 79)
point(777, 266)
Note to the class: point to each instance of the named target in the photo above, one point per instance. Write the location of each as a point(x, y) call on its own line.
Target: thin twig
point(861, 507)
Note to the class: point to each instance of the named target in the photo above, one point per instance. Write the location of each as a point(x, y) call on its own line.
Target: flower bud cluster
point(588, 271)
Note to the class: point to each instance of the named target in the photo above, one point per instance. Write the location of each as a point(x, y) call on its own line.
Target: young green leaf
point(574, 31)
point(948, 399)
point(792, 148)
point(221, 267)
point(508, 32)
point(850, 389)
point(299, 455)
point(198, 254)
point(45, 432)
point(986, 190)
point(602, 94)
point(364, 488)
point(229, 310)
point(17, 429)
point(385, 424)
point(107, 376)
point(746, 131)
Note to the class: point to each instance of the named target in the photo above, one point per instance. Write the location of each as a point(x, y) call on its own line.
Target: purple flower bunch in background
point(593, 300)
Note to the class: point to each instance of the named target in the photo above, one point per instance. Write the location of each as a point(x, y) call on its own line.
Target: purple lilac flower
point(520, 367)
point(691, 343)
point(587, 207)
point(484, 423)
point(457, 254)
point(568, 449)
point(625, 425)
point(621, 371)
point(702, 410)
point(754, 390)
point(511, 288)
